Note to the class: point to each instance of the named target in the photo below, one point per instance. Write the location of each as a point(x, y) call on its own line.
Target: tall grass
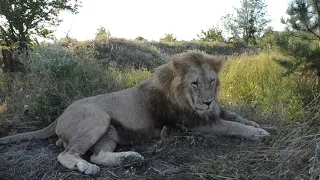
point(261, 82)
point(56, 77)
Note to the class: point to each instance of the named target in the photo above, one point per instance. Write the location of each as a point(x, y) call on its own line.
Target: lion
point(181, 93)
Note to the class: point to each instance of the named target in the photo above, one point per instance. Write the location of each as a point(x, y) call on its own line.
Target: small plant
point(168, 38)
point(102, 32)
point(139, 38)
point(211, 35)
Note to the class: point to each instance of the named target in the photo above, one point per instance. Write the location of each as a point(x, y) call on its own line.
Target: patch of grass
point(129, 77)
point(56, 77)
point(259, 81)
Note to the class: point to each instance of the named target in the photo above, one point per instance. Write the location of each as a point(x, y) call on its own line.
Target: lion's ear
point(179, 66)
point(217, 63)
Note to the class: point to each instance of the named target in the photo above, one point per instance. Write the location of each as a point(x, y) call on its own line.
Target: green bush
point(305, 52)
point(58, 77)
point(102, 32)
point(211, 35)
point(168, 38)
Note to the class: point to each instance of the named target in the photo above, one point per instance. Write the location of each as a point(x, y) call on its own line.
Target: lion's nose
point(207, 103)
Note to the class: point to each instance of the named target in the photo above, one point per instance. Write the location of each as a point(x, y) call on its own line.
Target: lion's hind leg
point(75, 162)
point(82, 139)
point(104, 155)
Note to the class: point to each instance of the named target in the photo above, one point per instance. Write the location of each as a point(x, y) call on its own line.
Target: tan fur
point(181, 92)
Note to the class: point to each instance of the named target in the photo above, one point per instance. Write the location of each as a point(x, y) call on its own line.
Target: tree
point(250, 19)
point(211, 35)
point(230, 25)
point(25, 18)
point(102, 32)
point(304, 24)
point(304, 16)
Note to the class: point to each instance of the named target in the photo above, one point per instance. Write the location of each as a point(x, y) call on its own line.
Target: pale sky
point(151, 19)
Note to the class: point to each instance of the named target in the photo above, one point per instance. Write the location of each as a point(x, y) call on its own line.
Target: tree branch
point(305, 22)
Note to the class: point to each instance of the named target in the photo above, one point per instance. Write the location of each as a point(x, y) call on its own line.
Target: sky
point(152, 19)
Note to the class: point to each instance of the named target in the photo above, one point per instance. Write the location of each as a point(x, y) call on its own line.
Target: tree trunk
point(9, 64)
point(10, 60)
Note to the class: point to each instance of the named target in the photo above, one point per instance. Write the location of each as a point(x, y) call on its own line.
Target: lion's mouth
point(202, 110)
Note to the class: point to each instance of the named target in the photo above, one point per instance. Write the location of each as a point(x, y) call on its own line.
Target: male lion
point(181, 92)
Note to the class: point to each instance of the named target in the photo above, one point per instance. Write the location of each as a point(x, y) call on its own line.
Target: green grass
point(56, 77)
point(259, 81)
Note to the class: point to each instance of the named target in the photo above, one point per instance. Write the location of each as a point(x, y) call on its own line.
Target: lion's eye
point(194, 84)
point(212, 81)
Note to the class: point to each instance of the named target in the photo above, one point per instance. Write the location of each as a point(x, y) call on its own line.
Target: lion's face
point(191, 81)
point(200, 88)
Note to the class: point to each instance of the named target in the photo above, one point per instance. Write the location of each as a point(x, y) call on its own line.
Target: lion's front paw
point(130, 158)
point(258, 134)
point(252, 123)
point(87, 168)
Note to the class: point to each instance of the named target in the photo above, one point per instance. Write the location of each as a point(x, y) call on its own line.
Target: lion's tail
point(47, 132)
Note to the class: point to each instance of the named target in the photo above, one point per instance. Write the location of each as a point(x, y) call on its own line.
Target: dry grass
point(122, 53)
point(289, 154)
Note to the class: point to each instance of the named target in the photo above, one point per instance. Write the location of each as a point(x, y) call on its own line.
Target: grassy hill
point(253, 85)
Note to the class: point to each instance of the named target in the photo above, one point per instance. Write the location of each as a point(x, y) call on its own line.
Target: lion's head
point(191, 81)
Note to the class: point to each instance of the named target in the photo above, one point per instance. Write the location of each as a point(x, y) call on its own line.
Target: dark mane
point(165, 113)
point(165, 91)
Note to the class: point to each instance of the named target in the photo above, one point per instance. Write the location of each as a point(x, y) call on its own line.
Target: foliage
point(258, 80)
point(231, 26)
point(304, 15)
point(304, 22)
point(27, 18)
point(140, 38)
point(168, 38)
point(250, 19)
point(211, 35)
point(305, 53)
point(102, 32)
point(56, 77)
point(67, 41)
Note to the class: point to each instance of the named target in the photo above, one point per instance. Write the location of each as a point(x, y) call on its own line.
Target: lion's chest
point(127, 133)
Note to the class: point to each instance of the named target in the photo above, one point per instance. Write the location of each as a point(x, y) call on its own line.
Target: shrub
point(168, 38)
point(102, 32)
point(140, 38)
point(305, 52)
point(211, 35)
point(57, 76)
